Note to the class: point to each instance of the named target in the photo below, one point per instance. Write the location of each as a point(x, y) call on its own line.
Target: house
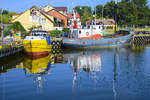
point(35, 17)
point(106, 22)
point(71, 19)
point(60, 19)
point(62, 10)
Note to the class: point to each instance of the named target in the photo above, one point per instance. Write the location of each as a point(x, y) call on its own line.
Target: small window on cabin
point(44, 35)
point(79, 32)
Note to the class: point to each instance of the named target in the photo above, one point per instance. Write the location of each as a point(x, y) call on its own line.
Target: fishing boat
point(92, 36)
point(38, 44)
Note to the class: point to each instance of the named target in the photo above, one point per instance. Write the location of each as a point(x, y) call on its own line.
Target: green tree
point(16, 26)
point(5, 12)
point(99, 10)
point(85, 13)
point(83, 9)
point(143, 12)
point(127, 13)
point(6, 16)
point(109, 9)
point(140, 3)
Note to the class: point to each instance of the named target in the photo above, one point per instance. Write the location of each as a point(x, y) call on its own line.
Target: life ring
point(87, 33)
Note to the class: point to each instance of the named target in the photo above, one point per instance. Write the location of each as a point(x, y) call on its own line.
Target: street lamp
point(115, 14)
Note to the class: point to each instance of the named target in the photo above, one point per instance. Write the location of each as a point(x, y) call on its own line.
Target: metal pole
point(102, 11)
point(1, 25)
point(115, 14)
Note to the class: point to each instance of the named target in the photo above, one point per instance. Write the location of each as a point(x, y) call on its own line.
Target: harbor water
point(99, 74)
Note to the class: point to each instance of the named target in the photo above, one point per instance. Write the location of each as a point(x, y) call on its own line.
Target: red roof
point(61, 8)
point(70, 15)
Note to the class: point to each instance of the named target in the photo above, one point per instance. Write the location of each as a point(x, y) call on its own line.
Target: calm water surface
point(105, 74)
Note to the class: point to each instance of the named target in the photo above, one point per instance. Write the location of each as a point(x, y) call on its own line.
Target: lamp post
point(1, 25)
point(115, 14)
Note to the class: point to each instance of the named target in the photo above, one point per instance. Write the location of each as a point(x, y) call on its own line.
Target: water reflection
point(107, 74)
point(12, 62)
point(120, 68)
point(36, 68)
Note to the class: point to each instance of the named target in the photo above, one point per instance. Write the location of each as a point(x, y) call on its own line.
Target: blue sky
point(21, 5)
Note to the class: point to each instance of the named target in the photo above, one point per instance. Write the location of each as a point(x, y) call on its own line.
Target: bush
point(55, 33)
point(109, 27)
point(16, 26)
point(24, 34)
point(66, 30)
point(6, 32)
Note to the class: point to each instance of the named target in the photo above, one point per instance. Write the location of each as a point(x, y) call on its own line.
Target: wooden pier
point(9, 48)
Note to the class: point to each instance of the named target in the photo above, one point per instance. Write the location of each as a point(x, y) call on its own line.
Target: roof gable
point(41, 11)
point(56, 11)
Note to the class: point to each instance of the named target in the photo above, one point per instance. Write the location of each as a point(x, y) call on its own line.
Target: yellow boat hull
point(36, 47)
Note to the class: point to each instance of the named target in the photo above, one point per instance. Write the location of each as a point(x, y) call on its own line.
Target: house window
point(35, 19)
point(55, 20)
point(62, 22)
point(30, 18)
point(43, 21)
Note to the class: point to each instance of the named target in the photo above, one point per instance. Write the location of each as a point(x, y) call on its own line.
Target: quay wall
point(8, 48)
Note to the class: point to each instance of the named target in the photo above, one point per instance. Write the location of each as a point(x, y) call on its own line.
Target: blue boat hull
point(97, 43)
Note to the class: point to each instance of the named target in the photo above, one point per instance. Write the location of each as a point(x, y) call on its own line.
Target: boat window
point(44, 35)
point(79, 32)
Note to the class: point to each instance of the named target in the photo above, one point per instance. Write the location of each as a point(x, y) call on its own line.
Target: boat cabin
point(39, 33)
point(88, 32)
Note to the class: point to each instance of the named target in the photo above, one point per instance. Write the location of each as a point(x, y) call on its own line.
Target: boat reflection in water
point(84, 62)
point(37, 68)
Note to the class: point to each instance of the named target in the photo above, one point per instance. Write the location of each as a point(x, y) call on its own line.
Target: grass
point(142, 29)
